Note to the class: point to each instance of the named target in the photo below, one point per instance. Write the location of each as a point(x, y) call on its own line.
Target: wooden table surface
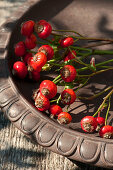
point(16, 150)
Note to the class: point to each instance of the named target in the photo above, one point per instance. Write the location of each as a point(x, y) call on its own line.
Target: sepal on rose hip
point(89, 124)
point(64, 118)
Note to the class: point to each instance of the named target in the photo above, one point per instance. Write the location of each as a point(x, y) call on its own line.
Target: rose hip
point(70, 56)
point(89, 124)
point(106, 131)
point(41, 102)
point(20, 49)
point(19, 69)
point(64, 118)
point(30, 42)
point(100, 121)
point(47, 50)
point(68, 96)
point(66, 42)
point(48, 89)
point(35, 75)
point(43, 29)
point(26, 57)
point(68, 73)
point(27, 28)
point(55, 110)
point(37, 61)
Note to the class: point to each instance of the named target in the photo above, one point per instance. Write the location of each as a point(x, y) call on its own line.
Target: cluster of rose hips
point(90, 124)
point(31, 64)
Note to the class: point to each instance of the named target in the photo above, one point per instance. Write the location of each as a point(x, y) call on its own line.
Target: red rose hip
point(47, 50)
point(48, 89)
point(27, 28)
point(68, 96)
point(20, 49)
point(106, 131)
point(55, 110)
point(68, 73)
point(43, 29)
point(89, 124)
point(64, 118)
point(30, 42)
point(41, 102)
point(26, 57)
point(66, 42)
point(100, 121)
point(19, 69)
point(37, 61)
point(70, 56)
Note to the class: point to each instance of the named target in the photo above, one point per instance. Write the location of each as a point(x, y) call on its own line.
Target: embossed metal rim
point(75, 145)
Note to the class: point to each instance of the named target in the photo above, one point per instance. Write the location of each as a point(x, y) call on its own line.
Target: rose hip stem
point(107, 111)
point(96, 95)
point(75, 32)
point(97, 65)
point(105, 98)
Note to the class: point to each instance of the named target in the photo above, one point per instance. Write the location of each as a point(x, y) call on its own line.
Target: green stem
point(97, 65)
point(107, 111)
point(59, 98)
point(81, 62)
point(59, 76)
point(53, 101)
point(105, 98)
point(57, 81)
point(82, 85)
point(96, 95)
point(69, 31)
point(95, 73)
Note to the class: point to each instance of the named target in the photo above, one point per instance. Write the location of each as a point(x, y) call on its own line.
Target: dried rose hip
point(37, 61)
point(30, 42)
point(47, 50)
point(19, 69)
point(66, 42)
point(64, 118)
point(20, 49)
point(43, 29)
point(106, 131)
point(27, 28)
point(70, 56)
point(89, 124)
point(41, 102)
point(68, 73)
point(48, 89)
point(68, 96)
point(55, 110)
